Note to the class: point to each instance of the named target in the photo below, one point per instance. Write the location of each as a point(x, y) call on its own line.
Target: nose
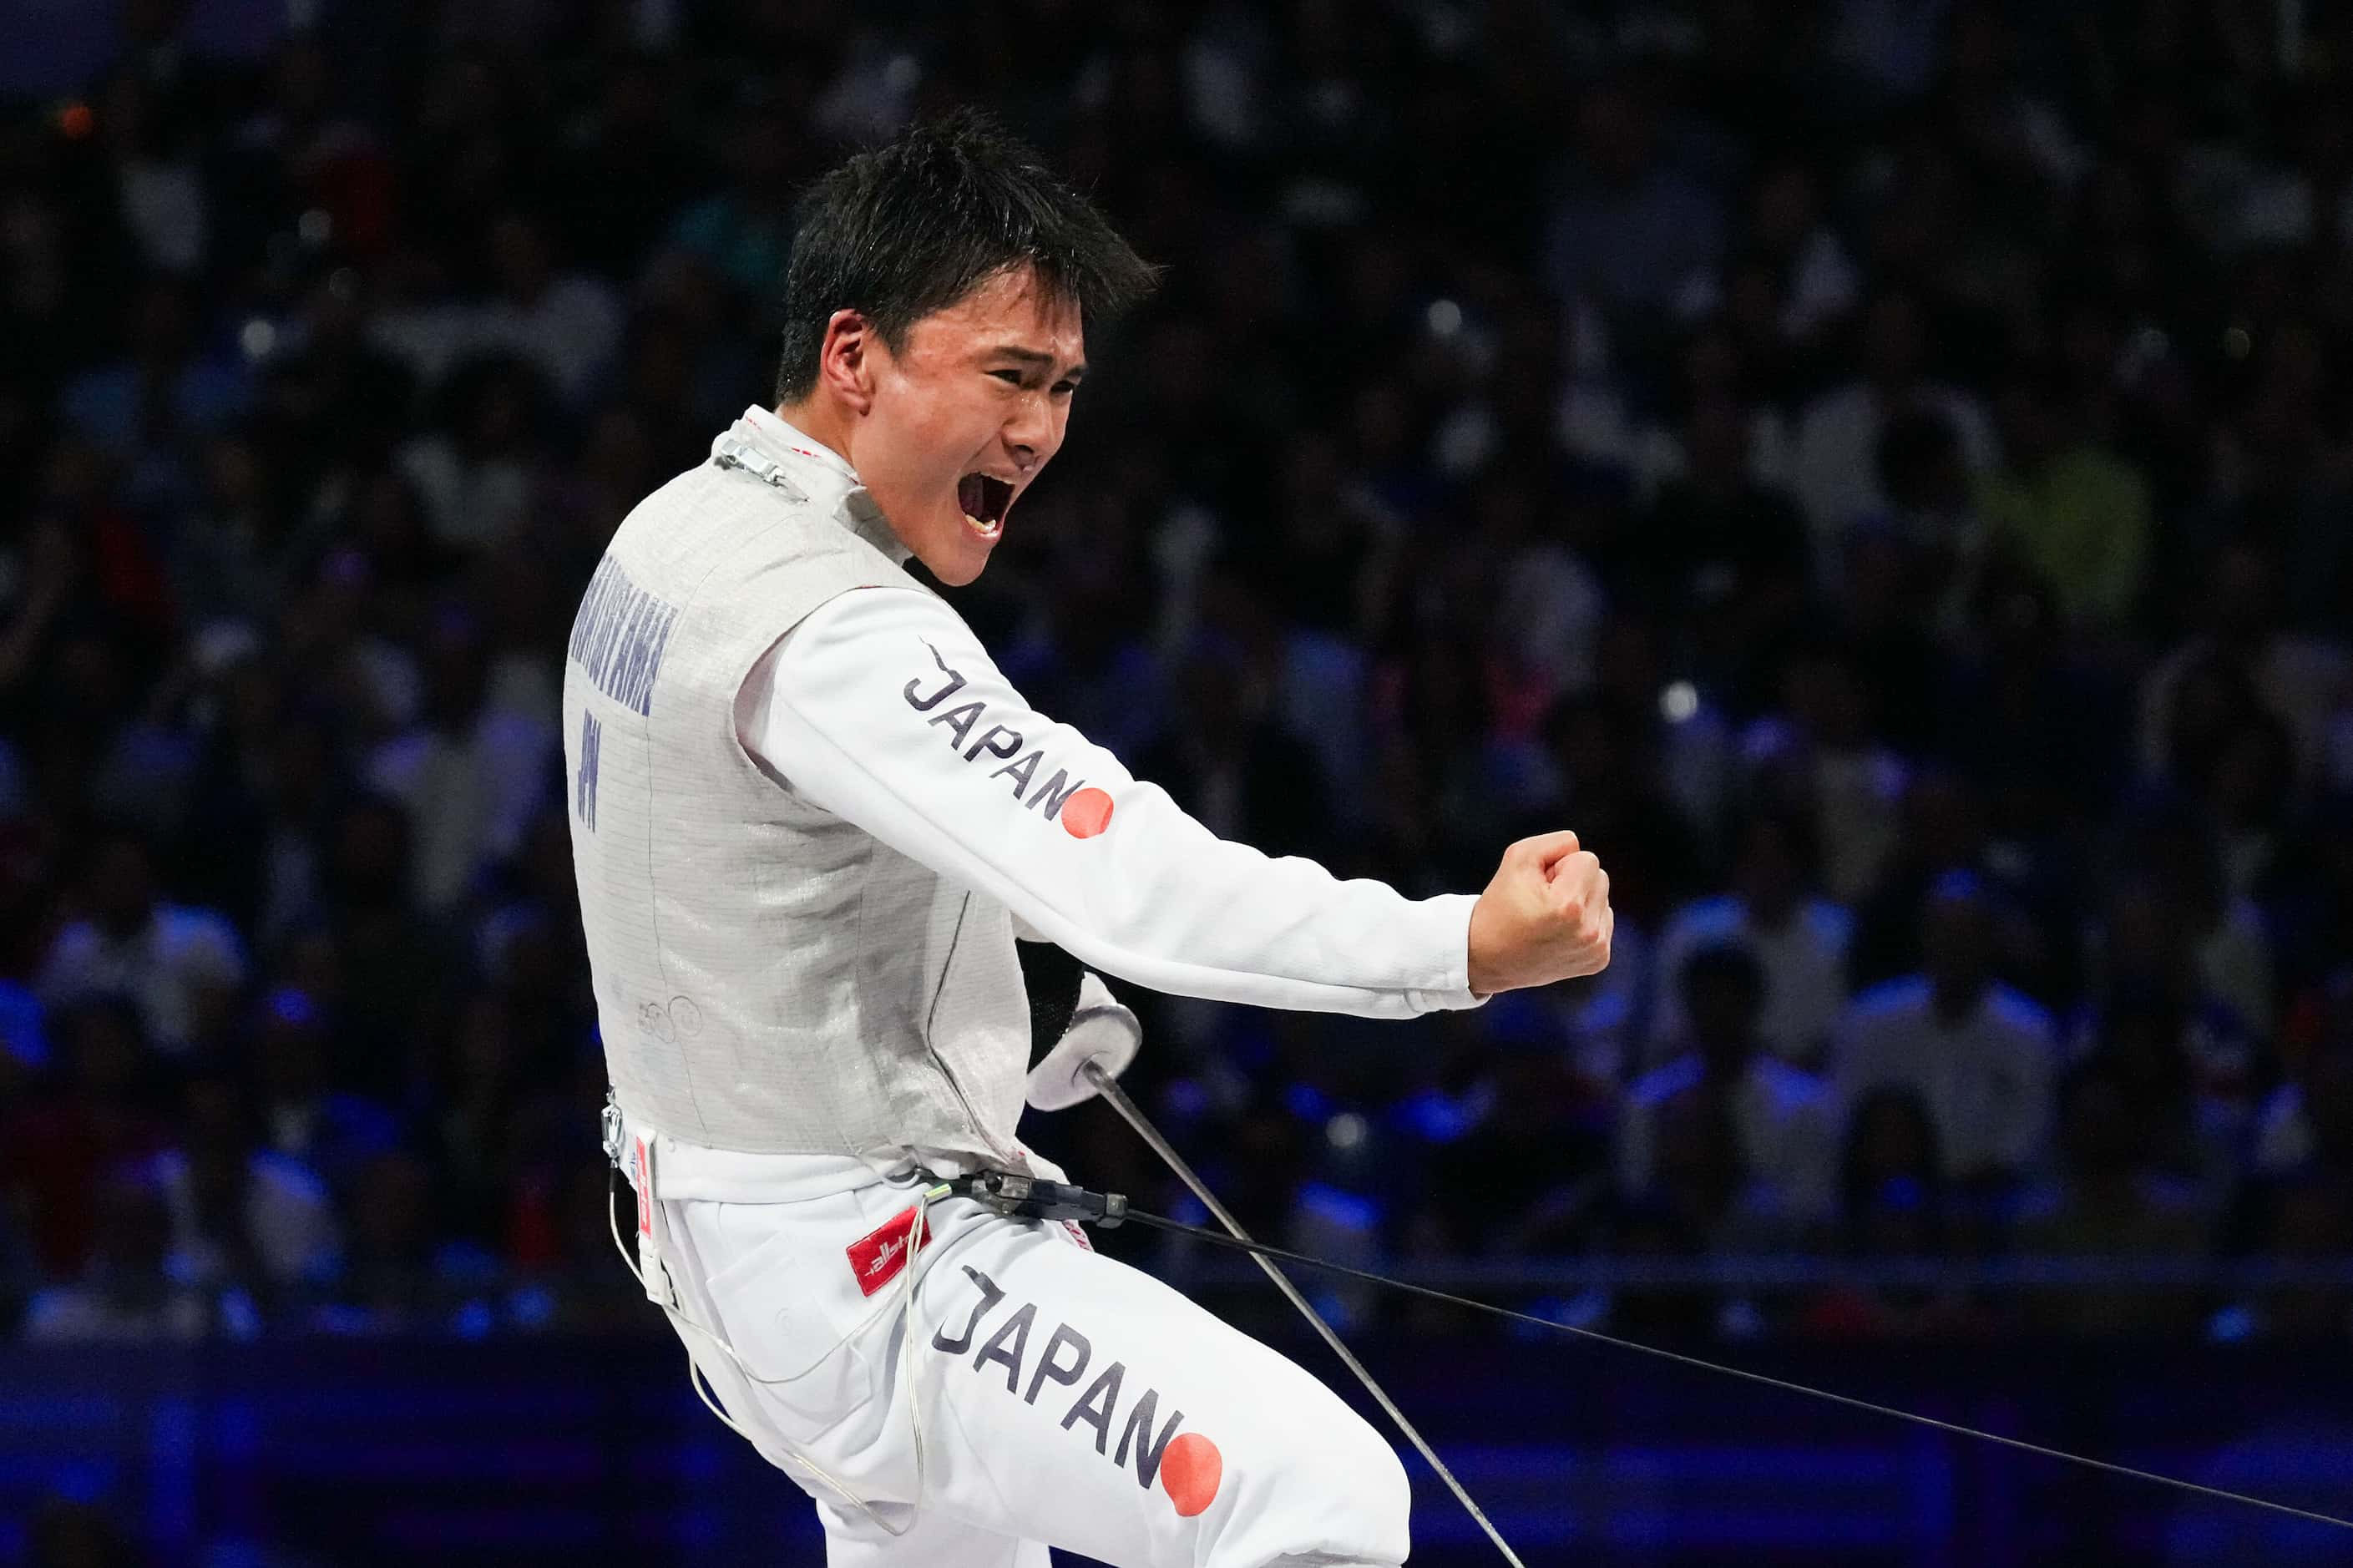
point(1033, 431)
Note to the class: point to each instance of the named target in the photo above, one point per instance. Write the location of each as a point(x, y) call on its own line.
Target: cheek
point(946, 434)
point(1061, 427)
point(908, 446)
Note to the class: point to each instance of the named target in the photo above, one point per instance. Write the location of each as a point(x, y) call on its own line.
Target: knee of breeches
point(1323, 1488)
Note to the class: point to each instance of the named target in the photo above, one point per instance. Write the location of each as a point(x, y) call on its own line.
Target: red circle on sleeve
point(1191, 1469)
point(1086, 813)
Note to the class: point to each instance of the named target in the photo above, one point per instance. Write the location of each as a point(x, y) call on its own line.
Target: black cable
point(1202, 1233)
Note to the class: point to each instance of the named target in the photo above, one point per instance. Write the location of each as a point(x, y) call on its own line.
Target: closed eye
point(1010, 377)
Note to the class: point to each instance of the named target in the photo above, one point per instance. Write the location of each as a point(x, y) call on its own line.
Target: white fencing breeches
point(1064, 1399)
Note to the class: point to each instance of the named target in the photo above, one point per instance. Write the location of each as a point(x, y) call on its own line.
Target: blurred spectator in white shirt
point(240, 1214)
point(131, 1293)
point(1631, 231)
point(168, 388)
point(1835, 471)
point(1978, 1054)
point(1784, 1118)
point(471, 772)
point(183, 966)
point(2172, 919)
point(2303, 679)
point(1800, 942)
point(1821, 755)
point(564, 324)
point(477, 474)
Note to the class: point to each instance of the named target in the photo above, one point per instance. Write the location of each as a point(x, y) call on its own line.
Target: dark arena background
point(1881, 470)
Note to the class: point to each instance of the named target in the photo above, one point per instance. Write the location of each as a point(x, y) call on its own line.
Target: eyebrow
point(1039, 358)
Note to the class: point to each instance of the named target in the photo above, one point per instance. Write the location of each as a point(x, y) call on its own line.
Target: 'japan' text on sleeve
point(882, 708)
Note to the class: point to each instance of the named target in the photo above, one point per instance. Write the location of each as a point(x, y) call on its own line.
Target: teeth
point(986, 530)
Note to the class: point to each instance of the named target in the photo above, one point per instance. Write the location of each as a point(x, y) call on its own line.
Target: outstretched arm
point(883, 708)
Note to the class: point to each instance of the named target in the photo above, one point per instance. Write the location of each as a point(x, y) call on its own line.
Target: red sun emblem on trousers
point(1191, 1469)
point(1086, 813)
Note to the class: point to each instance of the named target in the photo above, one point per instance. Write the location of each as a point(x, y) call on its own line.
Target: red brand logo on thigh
point(876, 1257)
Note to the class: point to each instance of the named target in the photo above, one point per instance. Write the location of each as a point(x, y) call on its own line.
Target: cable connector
point(1034, 1199)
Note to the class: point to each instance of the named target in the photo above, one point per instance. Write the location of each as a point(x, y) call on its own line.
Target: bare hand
point(1544, 917)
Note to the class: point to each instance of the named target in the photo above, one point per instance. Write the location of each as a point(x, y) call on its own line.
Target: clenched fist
point(1544, 917)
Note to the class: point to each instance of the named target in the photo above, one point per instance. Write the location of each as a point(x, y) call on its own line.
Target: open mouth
point(985, 499)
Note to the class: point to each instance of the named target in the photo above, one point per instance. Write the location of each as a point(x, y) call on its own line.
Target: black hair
point(911, 227)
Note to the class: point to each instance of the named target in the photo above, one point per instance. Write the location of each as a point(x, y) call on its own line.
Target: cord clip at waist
point(1034, 1198)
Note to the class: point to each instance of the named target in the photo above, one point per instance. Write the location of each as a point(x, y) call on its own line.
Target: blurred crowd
point(1879, 470)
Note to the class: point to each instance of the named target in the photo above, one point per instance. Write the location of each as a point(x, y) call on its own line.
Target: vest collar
point(804, 458)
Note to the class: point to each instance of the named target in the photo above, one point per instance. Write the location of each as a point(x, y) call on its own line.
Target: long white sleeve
point(882, 708)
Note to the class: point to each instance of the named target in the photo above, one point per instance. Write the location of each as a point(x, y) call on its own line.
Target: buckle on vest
point(614, 1140)
point(730, 452)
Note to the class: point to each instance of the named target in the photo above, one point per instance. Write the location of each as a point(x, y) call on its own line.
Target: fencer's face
point(964, 413)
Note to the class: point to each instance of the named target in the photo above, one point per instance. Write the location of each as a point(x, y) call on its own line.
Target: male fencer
point(811, 819)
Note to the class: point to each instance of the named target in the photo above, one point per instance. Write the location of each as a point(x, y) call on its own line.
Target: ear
point(844, 363)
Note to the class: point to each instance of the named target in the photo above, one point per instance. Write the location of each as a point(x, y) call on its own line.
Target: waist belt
point(675, 1167)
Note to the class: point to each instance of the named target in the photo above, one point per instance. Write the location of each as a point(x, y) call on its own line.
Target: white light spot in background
point(1679, 702)
point(1445, 317)
point(315, 227)
point(257, 339)
point(1346, 1131)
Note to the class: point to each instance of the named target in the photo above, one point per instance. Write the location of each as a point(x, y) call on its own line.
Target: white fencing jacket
point(810, 816)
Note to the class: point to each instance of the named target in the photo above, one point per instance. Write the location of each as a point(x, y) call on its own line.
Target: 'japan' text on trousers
point(1065, 1398)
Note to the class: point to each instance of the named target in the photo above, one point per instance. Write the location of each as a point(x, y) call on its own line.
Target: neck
point(833, 426)
point(826, 423)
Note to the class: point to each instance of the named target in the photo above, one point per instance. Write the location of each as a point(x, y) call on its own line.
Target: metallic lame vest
point(769, 978)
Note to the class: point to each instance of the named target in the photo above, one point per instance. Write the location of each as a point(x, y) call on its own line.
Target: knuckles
point(1572, 905)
